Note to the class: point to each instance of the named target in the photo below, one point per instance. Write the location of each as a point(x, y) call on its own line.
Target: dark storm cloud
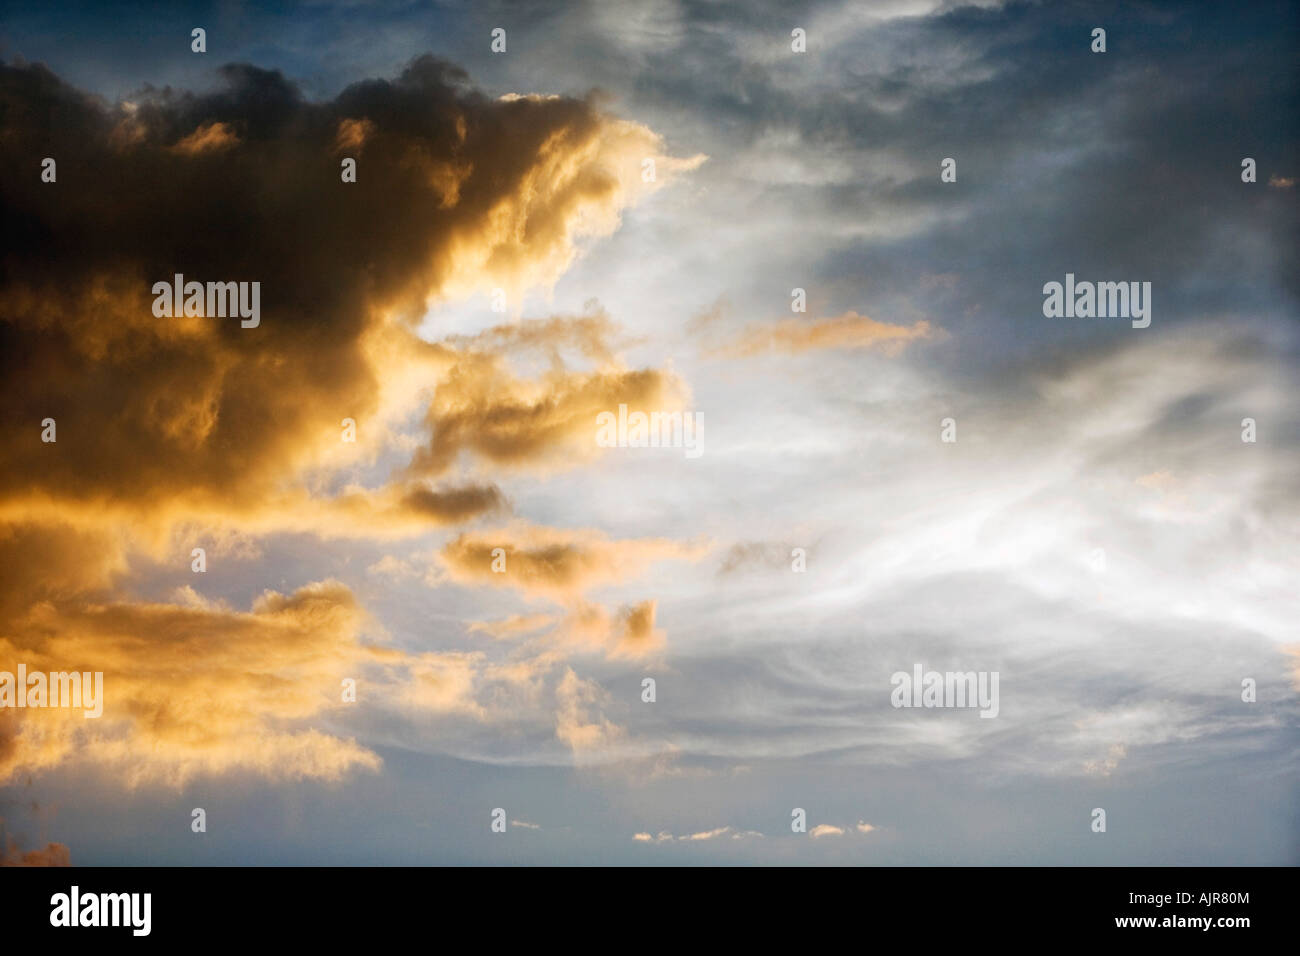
point(243, 184)
point(169, 421)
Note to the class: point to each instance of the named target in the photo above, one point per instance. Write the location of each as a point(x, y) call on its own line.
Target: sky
point(903, 460)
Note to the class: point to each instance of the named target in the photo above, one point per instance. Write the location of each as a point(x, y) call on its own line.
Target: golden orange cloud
point(191, 688)
point(199, 412)
point(173, 430)
point(579, 721)
point(824, 830)
point(555, 563)
point(628, 632)
point(847, 331)
point(52, 854)
point(212, 137)
point(353, 133)
point(481, 406)
point(513, 626)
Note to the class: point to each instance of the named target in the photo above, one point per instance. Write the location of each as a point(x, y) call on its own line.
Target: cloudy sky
point(505, 269)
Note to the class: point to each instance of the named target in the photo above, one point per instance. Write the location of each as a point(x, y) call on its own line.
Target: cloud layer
point(174, 428)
